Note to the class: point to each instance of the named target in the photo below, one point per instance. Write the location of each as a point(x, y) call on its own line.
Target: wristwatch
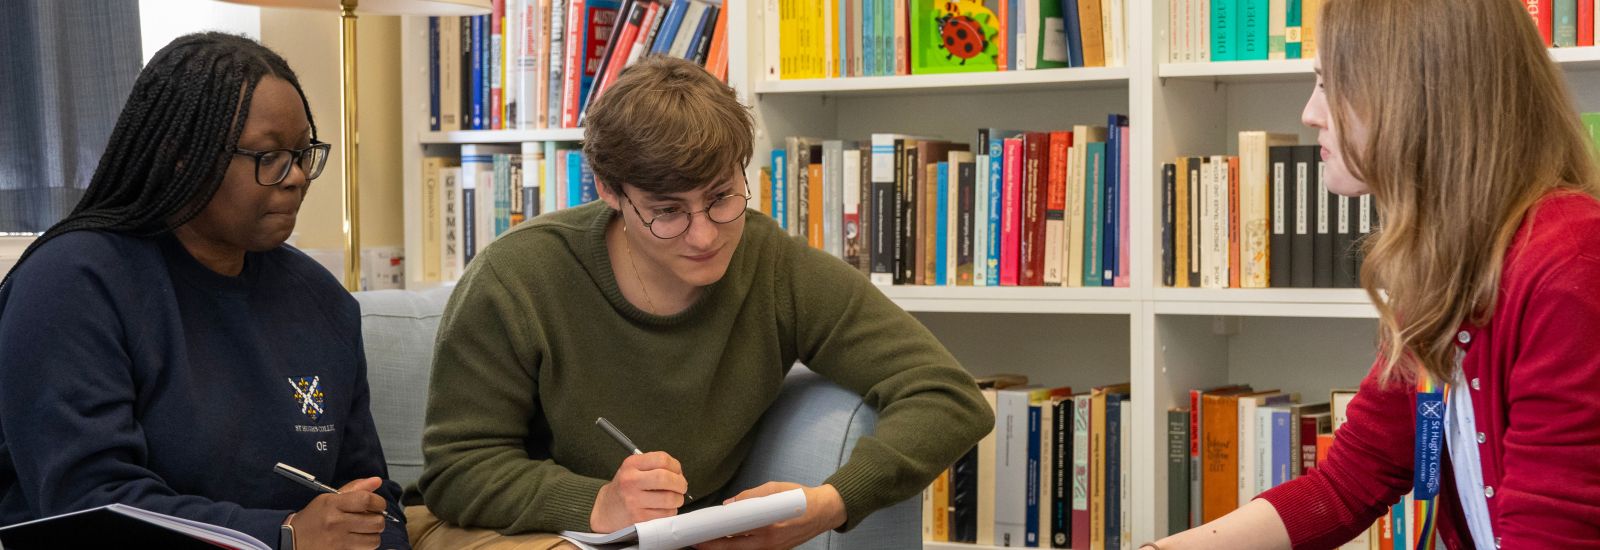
point(286, 534)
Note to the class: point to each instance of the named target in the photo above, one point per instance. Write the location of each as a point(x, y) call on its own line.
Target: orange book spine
point(814, 220)
point(1233, 223)
point(1219, 458)
point(717, 59)
point(941, 507)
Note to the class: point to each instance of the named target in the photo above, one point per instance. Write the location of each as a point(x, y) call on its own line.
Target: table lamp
point(348, 9)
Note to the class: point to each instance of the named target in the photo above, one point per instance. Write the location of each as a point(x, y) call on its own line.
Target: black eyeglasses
point(674, 222)
point(273, 166)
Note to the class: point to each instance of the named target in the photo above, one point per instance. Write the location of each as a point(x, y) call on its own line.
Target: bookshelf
point(1164, 341)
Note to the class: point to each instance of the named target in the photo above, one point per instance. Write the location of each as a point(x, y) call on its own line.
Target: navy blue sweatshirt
point(131, 373)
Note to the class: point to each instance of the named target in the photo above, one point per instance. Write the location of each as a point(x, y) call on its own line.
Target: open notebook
point(123, 526)
point(697, 526)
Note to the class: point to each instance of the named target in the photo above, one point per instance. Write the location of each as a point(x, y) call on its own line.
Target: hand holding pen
point(647, 486)
point(350, 516)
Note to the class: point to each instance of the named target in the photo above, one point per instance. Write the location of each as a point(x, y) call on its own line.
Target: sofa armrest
point(805, 437)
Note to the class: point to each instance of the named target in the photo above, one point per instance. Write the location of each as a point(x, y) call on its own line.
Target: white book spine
point(980, 218)
point(833, 197)
point(1011, 468)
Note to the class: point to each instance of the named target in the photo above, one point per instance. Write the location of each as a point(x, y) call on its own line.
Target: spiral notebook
point(698, 526)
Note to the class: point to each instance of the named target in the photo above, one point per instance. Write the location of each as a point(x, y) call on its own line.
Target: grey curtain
point(65, 71)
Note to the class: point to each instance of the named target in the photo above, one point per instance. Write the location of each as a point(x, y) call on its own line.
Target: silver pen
point(627, 444)
point(300, 476)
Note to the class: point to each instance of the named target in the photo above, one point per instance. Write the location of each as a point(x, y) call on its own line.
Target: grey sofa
point(806, 435)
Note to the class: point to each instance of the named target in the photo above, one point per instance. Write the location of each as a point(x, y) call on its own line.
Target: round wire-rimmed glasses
point(272, 166)
point(674, 222)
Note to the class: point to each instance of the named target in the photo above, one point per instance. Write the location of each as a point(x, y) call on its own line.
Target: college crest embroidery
point(308, 393)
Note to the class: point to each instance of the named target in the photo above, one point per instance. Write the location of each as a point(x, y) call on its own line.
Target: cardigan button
point(1497, 542)
point(1480, 438)
point(1464, 337)
point(1488, 492)
point(1474, 383)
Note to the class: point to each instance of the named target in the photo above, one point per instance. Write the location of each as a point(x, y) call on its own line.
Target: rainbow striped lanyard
point(1432, 399)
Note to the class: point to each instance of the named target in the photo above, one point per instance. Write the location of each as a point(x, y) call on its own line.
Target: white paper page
point(701, 525)
point(215, 534)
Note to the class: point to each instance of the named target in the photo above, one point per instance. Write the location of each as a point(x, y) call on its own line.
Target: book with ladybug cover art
point(954, 36)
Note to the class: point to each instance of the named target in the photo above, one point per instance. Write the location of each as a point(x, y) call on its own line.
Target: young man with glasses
point(672, 311)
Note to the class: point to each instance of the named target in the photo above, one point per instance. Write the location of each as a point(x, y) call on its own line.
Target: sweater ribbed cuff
point(569, 500)
point(1301, 509)
point(860, 489)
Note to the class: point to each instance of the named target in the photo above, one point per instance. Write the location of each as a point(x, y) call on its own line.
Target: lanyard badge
point(1425, 480)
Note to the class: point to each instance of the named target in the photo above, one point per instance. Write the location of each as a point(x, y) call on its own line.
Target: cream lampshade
point(348, 9)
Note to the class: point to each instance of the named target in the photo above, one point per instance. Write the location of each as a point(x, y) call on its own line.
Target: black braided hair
point(175, 136)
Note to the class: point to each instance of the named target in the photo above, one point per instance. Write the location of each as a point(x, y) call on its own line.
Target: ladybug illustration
point(960, 35)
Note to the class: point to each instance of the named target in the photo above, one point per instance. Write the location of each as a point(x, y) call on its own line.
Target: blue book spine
point(1283, 447)
point(485, 73)
point(707, 17)
point(1069, 13)
point(869, 38)
point(886, 38)
point(502, 193)
point(1252, 29)
point(1114, 470)
point(941, 238)
point(1113, 199)
point(1094, 184)
point(433, 74)
point(996, 182)
point(476, 81)
point(669, 26)
point(1013, 26)
point(586, 77)
point(586, 192)
point(1397, 518)
point(780, 187)
point(1030, 520)
point(574, 179)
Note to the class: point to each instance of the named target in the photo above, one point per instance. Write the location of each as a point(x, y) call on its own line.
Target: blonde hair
point(666, 126)
point(1468, 124)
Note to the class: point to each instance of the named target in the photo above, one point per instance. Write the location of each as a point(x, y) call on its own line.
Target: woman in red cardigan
point(1486, 276)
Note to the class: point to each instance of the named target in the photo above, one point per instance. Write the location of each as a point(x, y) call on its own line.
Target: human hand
point(647, 486)
point(824, 511)
point(350, 520)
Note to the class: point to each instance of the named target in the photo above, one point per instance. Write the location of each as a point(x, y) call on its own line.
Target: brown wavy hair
point(1469, 123)
point(666, 126)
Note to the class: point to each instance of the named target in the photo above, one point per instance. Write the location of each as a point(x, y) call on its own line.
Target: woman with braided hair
point(162, 347)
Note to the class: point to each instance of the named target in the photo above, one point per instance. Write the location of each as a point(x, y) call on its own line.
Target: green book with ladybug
point(959, 36)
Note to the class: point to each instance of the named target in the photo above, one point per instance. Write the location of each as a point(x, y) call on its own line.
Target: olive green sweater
point(537, 341)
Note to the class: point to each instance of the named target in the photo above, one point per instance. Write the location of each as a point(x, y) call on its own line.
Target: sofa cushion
point(398, 328)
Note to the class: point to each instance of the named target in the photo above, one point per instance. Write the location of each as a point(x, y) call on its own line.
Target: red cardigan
point(1534, 374)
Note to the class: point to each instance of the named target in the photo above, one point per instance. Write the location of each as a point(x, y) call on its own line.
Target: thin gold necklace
point(629, 247)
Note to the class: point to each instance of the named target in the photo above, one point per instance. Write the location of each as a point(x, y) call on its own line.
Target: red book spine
point(1543, 18)
point(572, 75)
point(1585, 22)
point(1233, 222)
point(624, 45)
point(1035, 173)
point(1308, 444)
point(1011, 220)
point(497, 41)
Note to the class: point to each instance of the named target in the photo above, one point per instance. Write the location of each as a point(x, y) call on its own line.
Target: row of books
point(847, 38)
point(468, 201)
point(535, 63)
point(1241, 30)
point(1017, 209)
point(1261, 219)
point(1056, 472)
point(1563, 23)
point(1232, 443)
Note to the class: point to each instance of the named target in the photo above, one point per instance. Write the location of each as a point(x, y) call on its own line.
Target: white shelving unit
point(1164, 341)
